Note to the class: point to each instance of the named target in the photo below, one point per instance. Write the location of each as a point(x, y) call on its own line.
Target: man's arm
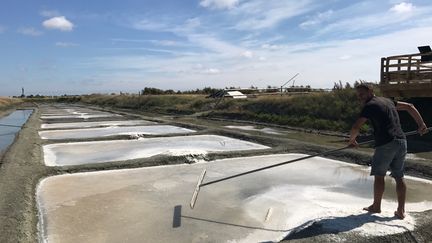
point(355, 130)
point(410, 108)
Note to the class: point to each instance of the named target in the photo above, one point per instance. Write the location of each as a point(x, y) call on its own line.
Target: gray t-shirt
point(384, 118)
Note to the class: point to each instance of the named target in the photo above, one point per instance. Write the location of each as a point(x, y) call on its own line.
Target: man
point(390, 142)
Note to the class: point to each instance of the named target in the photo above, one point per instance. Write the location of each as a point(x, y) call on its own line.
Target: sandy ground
point(20, 171)
point(22, 168)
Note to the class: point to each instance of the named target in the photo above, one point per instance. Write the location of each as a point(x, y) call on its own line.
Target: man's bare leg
point(401, 194)
point(378, 194)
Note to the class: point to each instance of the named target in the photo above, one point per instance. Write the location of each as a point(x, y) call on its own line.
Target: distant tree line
point(156, 91)
point(340, 86)
point(38, 96)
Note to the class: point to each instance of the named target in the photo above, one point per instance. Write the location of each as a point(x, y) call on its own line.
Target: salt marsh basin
point(69, 125)
point(253, 128)
point(78, 116)
point(137, 205)
point(112, 131)
point(79, 153)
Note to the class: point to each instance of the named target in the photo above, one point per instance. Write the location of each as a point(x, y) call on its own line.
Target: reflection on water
point(7, 133)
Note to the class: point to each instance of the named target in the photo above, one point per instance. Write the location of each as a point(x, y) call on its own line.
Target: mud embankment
point(20, 170)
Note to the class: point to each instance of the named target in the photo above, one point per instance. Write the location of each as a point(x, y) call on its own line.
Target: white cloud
point(155, 42)
point(256, 15)
point(49, 13)
point(212, 71)
point(196, 37)
point(349, 63)
point(167, 25)
point(167, 43)
point(58, 23)
point(198, 69)
point(191, 24)
point(247, 54)
point(402, 8)
point(150, 25)
point(376, 21)
point(218, 46)
point(316, 20)
point(30, 31)
point(223, 52)
point(370, 18)
point(270, 47)
point(219, 4)
point(345, 57)
point(164, 42)
point(244, 60)
point(65, 44)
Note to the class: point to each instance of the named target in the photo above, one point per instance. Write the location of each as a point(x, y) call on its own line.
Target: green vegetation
point(6, 103)
point(172, 104)
point(155, 91)
point(332, 111)
point(335, 111)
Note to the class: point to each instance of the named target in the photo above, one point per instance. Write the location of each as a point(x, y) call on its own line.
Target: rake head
point(197, 189)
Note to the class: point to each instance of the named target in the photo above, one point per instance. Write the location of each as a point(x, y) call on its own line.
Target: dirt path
point(19, 173)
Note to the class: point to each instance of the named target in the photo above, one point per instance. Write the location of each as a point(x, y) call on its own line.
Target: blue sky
point(76, 47)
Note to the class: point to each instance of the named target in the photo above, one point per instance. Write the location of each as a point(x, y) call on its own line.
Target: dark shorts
point(390, 156)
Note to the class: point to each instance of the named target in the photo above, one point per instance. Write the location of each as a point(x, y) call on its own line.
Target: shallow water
point(151, 204)
point(113, 131)
point(7, 134)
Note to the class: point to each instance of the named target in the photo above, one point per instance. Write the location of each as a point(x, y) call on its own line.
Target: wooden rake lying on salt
point(201, 178)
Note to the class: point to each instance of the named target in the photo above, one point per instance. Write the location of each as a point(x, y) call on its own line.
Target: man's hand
point(422, 129)
point(353, 143)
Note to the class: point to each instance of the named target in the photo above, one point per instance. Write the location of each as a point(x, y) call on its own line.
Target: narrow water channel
point(10, 125)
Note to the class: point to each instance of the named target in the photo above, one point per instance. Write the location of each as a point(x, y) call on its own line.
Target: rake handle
point(271, 166)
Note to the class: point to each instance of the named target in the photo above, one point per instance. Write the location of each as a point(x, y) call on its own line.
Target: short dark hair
point(364, 86)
